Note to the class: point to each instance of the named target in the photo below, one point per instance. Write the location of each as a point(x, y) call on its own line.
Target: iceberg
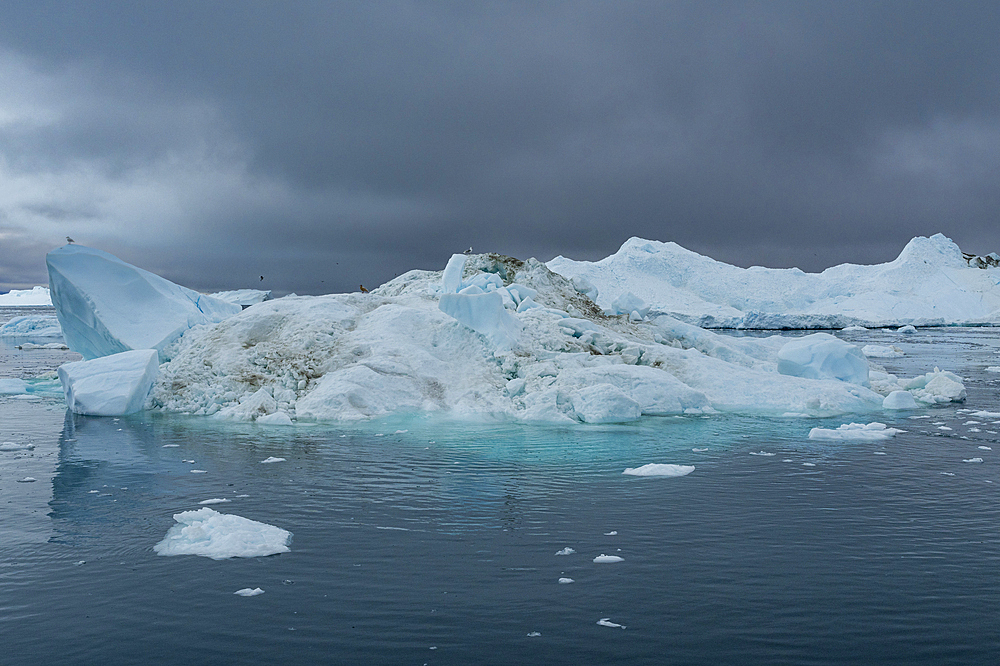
point(855, 432)
point(220, 536)
point(929, 283)
point(26, 297)
point(111, 385)
point(106, 306)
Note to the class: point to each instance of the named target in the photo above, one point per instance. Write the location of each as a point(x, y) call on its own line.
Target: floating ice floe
point(208, 533)
point(985, 415)
point(761, 453)
point(14, 446)
point(882, 351)
point(26, 297)
point(215, 500)
point(111, 385)
point(566, 581)
point(606, 622)
point(566, 551)
point(106, 306)
point(12, 386)
point(31, 346)
point(27, 479)
point(608, 559)
point(972, 460)
point(249, 592)
point(993, 368)
point(659, 469)
point(855, 432)
point(271, 459)
point(940, 288)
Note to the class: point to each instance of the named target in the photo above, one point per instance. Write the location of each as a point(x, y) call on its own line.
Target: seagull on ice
point(469, 251)
point(68, 239)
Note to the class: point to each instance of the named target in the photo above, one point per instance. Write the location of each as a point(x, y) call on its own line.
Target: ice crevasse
point(488, 336)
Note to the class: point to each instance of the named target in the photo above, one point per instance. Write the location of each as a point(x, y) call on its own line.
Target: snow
point(823, 356)
point(106, 306)
point(928, 284)
point(659, 469)
point(32, 326)
point(26, 297)
point(242, 297)
point(899, 400)
point(249, 592)
point(220, 536)
point(855, 432)
point(111, 385)
point(608, 559)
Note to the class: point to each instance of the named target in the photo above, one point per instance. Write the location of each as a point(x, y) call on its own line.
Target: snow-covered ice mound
point(111, 385)
point(32, 326)
point(492, 335)
point(26, 297)
point(929, 283)
point(106, 306)
point(220, 536)
point(243, 297)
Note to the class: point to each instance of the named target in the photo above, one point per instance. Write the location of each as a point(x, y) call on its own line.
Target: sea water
point(426, 540)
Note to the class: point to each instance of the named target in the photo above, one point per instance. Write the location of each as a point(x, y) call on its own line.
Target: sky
point(325, 145)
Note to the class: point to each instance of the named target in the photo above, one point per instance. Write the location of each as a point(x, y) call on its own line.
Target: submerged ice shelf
point(489, 336)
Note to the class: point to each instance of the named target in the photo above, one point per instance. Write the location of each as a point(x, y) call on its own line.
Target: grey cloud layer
point(330, 144)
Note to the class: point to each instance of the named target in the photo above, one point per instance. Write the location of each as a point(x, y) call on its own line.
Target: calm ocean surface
point(428, 541)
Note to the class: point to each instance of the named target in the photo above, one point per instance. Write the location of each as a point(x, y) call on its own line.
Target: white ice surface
point(608, 559)
point(899, 400)
point(220, 536)
point(659, 469)
point(855, 432)
point(12, 386)
point(928, 284)
point(249, 592)
point(26, 297)
point(242, 297)
point(111, 385)
point(566, 551)
point(823, 356)
point(882, 351)
point(106, 306)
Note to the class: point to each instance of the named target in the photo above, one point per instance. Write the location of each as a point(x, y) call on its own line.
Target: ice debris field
point(490, 335)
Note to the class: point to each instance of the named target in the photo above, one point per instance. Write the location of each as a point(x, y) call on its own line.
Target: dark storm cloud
point(327, 144)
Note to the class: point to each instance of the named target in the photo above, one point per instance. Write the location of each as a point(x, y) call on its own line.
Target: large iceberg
point(26, 297)
point(106, 306)
point(930, 283)
point(111, 385)
point(31, 326)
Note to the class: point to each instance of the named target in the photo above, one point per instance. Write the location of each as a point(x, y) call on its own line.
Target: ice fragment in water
point(277, 418)
point(220, 536)
point(611, 533)
point(566, 551)
point(111, 385)
point(534, 634)
point(216, 500)
point(760, 453)
point(606, 622)
point(855, 432)
point(566, 581)
point(272, 459)
point(972, 460)
point(14, 446)
point(986, 448)
point(608, 559)
point(199, 471)
point(27, 479)
point(248, 592)
point(899, 400)
point(659, 469)
point(823, 356)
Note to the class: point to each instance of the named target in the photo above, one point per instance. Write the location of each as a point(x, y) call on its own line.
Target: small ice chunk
point(880, 453)
point(170, 446)
point(604, 403)
point(277, 418)
point(948, 473)
point(855, 432)
point(611, 533)
point(248, 592)
point(220, 536)
point(985, 415)
point(199, 471)
point(534, 634)
point(659, 469)
point(943, 428)
point(111, 385)
point(986, 448)
point(566, 581)
point(14, 446)
point(271, 459)
point(823, 356)
point(760, 453)
point(809, 464)
point(993, 368)
point(696, 450)
point(566, 551)
point(908, 329)
point(608, 559)
point(899, 400)
point(882, 351)
point(217, 500)
point(27, 479)
point(12, 386)
point(972, 460)
point(606, 622)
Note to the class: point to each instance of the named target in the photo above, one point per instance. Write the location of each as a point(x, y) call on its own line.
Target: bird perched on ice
point(363, 290)
point(469, 251)
point(68, 239)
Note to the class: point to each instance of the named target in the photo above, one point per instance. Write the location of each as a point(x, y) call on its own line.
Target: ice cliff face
point(930, 283)
point(407, 347)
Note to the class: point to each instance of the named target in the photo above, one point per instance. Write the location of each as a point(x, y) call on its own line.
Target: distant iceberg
point(930, 283)
point(26, 297)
